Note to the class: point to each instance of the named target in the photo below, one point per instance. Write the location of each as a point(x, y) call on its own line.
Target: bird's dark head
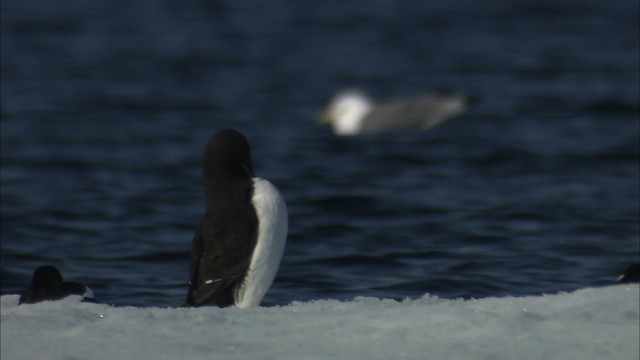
point(47, 277)
point(227, 156)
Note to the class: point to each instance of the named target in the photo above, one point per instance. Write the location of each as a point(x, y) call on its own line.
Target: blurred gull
point(351, 112)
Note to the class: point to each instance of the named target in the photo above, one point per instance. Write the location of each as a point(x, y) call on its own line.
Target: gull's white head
point(346, 112)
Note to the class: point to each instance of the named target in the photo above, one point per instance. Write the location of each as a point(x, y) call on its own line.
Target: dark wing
point(220, 257)
point(208, 285)
point(30, 296)
point(36, 295)
point(196, 252)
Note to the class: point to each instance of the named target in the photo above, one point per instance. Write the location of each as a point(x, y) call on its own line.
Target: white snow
point(593, 323)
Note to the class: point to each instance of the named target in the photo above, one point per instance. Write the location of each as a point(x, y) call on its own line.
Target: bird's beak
point(325, 118)
point(247, 169)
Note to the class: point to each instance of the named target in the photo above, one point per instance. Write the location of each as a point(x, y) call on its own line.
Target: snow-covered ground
point(593, 323)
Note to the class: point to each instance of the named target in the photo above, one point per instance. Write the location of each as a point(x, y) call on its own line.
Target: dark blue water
point(106, 107)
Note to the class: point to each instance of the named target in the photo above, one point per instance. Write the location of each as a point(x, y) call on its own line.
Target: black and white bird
point(351, 112)
point(47, 285)
point(237, 248)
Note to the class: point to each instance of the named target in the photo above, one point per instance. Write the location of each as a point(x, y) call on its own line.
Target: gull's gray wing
point(415, 114)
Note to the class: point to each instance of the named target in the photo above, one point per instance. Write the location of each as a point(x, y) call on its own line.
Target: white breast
point(272, 235)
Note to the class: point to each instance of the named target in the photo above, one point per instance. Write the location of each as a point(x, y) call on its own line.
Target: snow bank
point(594, 323)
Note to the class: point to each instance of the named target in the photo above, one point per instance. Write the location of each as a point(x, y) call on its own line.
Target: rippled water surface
point(106, 108)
